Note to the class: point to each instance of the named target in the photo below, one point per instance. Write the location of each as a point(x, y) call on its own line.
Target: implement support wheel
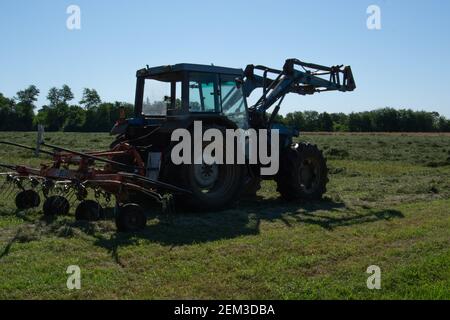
point(89, 210)
point(56, 205)
point(130, 218)
point(27, 199)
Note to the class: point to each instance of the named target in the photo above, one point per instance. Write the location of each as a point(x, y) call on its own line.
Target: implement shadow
point(189, 228)
point(244, 220)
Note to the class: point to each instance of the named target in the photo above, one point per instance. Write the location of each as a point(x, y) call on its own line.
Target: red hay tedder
point(73, 173)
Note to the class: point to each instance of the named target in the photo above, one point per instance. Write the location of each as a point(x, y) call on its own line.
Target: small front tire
point(303, 173)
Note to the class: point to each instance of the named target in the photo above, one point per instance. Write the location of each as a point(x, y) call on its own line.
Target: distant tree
point(76, 118)
point(295, 120)
point(57, 96)
point(90, 98)
point(311, 121)
point(340, 121)
point(361, 122)
point(103, 117)
point(325, 122)
point(54, 96)
point(23, 115)
point(386, 120)
point(53, 117)
point(28, 96)
point(6, 113)
point(443, 124)
point(66, 94)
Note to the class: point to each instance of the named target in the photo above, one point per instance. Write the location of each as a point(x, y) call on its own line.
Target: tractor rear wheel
point(303, 173)
point(214, 186)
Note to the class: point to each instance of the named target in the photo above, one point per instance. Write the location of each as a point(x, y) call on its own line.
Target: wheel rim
point(132, 220)
point(219, 181)
point(206, 175)
point(309, 175)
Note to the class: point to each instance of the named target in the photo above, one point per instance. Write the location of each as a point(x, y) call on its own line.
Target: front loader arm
point(290, 80)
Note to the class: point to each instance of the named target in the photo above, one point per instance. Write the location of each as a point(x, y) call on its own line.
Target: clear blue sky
point(405, 64)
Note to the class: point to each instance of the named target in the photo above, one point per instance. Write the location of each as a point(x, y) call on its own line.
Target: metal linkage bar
point(291, 80)
point(26, 147)
point(89, 156)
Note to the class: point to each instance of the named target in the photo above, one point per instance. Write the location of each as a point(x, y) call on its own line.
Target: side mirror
point(239, 83)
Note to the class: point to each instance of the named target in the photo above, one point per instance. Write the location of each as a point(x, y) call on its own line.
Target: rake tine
point(70, 195)
point(6, 183)
point(10, 191)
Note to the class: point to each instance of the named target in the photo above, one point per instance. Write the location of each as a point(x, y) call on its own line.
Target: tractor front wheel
point(303, 173)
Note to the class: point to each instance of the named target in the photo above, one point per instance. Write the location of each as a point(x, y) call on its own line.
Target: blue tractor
point(176, 96)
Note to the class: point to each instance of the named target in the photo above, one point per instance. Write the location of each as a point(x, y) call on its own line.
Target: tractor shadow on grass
point(243, 220)
point(192, 228)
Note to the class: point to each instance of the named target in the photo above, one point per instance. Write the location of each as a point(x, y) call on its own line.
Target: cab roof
point(155, 71)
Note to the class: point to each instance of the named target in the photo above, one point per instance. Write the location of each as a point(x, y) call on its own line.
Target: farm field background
point(388, 204)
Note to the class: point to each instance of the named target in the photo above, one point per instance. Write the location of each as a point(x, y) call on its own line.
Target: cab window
point(202, 93)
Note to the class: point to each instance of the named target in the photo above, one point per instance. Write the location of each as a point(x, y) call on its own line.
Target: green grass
point(388, 204)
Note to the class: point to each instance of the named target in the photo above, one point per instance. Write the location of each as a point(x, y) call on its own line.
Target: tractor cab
point(188, 89)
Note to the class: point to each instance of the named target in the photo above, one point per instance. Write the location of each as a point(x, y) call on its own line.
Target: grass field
point(388, 204)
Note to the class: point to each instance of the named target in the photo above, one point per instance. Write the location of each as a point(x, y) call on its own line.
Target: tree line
point(91, 114)
point(378, 120)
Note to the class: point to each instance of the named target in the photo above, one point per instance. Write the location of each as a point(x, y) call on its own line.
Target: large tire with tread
point(207, 195)
point(226, 190)
point(303, 173)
